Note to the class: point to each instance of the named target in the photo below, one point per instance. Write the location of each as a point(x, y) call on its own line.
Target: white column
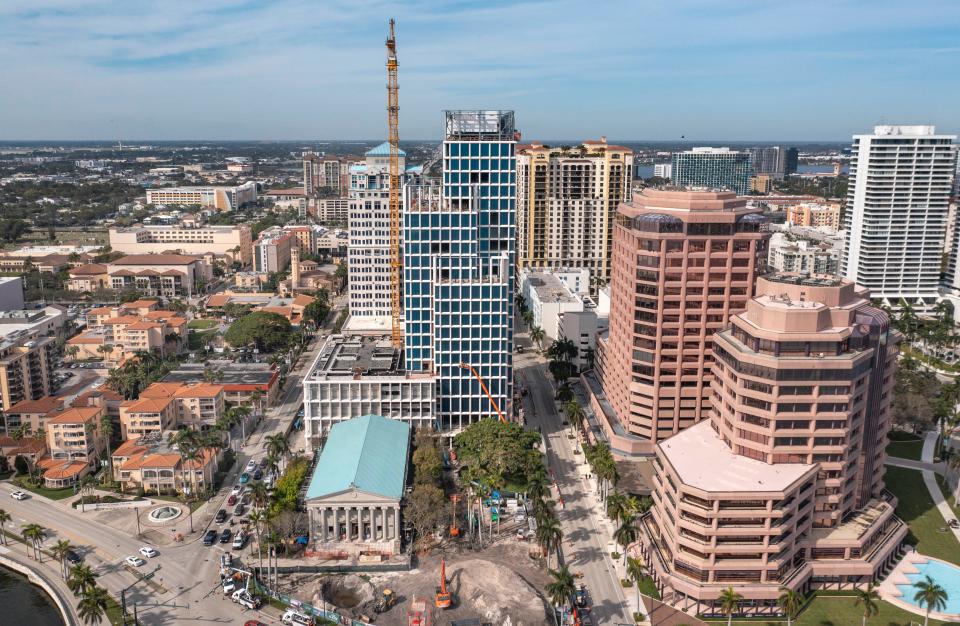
point(383, 522)
point(323, 522)
point(396, 522)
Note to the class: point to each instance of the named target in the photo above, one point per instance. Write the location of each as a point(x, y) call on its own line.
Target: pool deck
point(908, 565)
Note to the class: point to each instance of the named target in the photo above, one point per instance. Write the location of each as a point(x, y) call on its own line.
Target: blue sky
point(314, 69)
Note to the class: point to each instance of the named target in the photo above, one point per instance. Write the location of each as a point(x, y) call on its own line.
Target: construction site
point(500, 584)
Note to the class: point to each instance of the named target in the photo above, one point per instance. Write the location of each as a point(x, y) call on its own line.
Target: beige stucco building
point(232, 242)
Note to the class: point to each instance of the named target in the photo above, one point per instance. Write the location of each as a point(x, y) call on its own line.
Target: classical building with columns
point(353, 501)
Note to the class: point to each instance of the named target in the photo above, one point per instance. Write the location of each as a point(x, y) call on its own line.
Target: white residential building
point(220, 198)
point(896, 217)
point(361, 375)
point(663, 170)
point(794, 255)
point(581, 328)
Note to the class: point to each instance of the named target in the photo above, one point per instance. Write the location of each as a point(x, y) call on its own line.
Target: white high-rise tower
point(896, 217)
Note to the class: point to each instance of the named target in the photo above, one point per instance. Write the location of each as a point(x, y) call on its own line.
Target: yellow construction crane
point(393, 119)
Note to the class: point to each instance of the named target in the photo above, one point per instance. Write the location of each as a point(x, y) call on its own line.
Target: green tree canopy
point(267, 331)
point(496, 450)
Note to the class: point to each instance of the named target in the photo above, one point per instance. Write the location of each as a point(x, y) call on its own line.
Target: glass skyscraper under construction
point(459, 254)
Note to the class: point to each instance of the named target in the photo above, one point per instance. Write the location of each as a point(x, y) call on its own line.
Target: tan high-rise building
point(683, 263)
point(567, 200)
point(783, 485)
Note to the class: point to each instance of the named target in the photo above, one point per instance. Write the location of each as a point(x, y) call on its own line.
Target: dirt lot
point(498, 585)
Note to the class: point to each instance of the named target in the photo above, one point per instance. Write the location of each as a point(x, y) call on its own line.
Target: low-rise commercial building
point(356, 375)
point(220, 198)
point(232, 242)
point(548, 299)
point(353, 501)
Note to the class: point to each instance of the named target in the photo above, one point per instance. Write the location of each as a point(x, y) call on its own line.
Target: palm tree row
point(82, 581)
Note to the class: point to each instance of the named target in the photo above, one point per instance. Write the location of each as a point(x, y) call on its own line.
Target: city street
point(186, 587)
point(585, 547)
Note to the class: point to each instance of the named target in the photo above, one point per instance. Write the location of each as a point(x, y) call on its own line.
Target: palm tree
point(258, 494)
point(81, 579)
point(60, 551)
point(616, 506)
point(867, 598)
point(255, 397)
point(561, 587)
point(574, 413)
point(790, 602)
point(93, 605)
point(931, 595)
point(564, 392)
point(636, 572)
point(4, 518)
point(256, 519)
point(189, 455)
point(34, 533)
point(106, 431)
point(278, 445)
point(729, 603)
point(549, 536)
point(627, 533)
point(536, 334)
point(87, 485)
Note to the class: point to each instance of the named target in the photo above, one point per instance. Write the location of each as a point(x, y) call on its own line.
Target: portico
point(353, 501)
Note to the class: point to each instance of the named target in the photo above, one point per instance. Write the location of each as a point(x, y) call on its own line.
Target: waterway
point(24, 603)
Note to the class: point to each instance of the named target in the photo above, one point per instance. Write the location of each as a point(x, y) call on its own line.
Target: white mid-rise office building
point(896, 217)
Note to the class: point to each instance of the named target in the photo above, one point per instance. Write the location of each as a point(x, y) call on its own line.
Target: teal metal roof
point(368, 453)
point(383, 150)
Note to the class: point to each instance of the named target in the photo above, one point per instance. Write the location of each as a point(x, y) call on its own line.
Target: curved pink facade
point(783, 486)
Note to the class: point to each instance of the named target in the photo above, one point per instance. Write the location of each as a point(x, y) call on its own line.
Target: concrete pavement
point(587, 544)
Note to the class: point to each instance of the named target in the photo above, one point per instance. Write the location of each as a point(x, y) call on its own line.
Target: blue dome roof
point(383, 150)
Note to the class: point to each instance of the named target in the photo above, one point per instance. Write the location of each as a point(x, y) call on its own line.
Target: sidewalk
point(930, 479)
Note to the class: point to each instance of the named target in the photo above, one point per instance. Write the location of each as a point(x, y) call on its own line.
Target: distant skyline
point(303, 70)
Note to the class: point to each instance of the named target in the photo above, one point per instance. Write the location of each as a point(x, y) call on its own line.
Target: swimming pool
point(944, 574)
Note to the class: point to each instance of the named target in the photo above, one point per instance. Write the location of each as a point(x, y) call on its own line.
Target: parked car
point(253, 622)
point(221, 516)
point(244, 478)
point(149, 552)
point(210, 537)
point(251, 464)
point(237, 490)
point(241, 509)
point(580, 596)
point(296, 619)
point(257, 474)
point(19, 495)
point(134, 561)
point(232, 500)
point(226, 535)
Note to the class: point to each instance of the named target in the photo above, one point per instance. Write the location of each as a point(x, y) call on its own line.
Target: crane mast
point(393, 115)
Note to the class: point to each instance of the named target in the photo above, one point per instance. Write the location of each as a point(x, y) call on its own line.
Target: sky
point(752, 70)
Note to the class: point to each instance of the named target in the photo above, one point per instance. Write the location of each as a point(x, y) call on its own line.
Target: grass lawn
point(905, 445)
point(202, 324)
point(53, 494)
point(195, 340)
point(947, 494)
point(648, 588)
point(841, 611)
point(917, 510)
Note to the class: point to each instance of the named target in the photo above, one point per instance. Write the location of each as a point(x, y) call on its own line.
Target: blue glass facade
point(459, 253)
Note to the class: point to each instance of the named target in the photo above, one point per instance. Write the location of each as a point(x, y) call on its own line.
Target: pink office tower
point(783, 485)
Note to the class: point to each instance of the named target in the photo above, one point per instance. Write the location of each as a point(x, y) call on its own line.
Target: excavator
point(444, 599)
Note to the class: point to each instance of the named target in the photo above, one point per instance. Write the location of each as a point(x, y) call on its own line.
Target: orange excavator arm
point(483, 386)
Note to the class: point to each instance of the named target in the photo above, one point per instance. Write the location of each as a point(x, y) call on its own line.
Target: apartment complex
point(219, 198)
point(75, 442)
point(233, 242)
point(320, 172)
point(150, 464)
point(815, 215)
point(777, 162)
point(165, 406)
point(800, 413)
point(802, 256)
point(161, 275)
point(368, 252)
point(458, 268)
point(712, 168)
point(115, 334)
point(361, 375)
point(28, 353)
point(683, 263)
point(271, 252)
point(896, 218)
point(567, 202)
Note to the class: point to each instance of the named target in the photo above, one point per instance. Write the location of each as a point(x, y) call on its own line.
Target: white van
point(296, 619)
point(239, 540)
point(244, 599)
